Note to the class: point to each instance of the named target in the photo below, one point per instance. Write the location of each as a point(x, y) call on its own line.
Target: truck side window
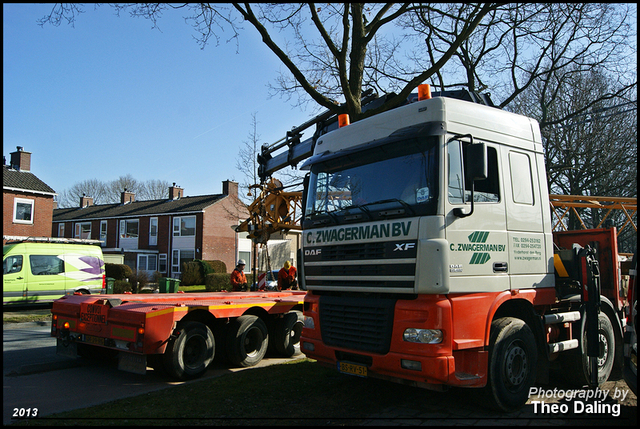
point(13, 264)
point(488, 190)
point(460, 188)
point(521, 183)
point(46, 265)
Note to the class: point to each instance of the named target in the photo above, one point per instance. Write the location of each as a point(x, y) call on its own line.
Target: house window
point(23, 211)
point(162, 262)
point(129, 228)
point(153, 231)
point(61, 230)
point(180, 256)
point(247, 258)
point(184, 226)
point(103, 232)
point(148, 262)
point(83, 230)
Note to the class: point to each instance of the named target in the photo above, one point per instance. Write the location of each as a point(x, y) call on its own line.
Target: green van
point(43, 272)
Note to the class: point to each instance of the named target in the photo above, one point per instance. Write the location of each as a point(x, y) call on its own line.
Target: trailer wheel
point(286, 332)
point(188, 355)
point(247, 341)
point(575, 363)
point(512, 363)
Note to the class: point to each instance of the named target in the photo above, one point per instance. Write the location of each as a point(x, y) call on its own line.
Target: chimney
point(85, 201)
point(127, 197)
point(175, 192)
point(230, 188)
point(21, 160)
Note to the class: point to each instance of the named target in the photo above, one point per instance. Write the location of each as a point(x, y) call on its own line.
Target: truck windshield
point(396, 179)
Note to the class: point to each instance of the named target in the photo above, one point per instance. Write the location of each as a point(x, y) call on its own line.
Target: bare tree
point(123, 183)
point(326, 61)
point(332, 52)
point(153, 189)
point(110, 192)
point(93, 188)
point(519, 44)
point(338, 50)
point(593, 153)
point(247, 162)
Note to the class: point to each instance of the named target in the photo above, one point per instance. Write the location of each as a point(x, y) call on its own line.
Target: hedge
point(117, 271)
point(216, 282)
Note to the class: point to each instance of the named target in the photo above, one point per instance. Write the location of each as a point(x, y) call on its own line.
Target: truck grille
point(365, 265)
point(355, 323)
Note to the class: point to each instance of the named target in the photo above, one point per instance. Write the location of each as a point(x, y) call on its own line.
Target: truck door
point(525, 214)
point(478, 260)
point(13, 279)
point(46, 278)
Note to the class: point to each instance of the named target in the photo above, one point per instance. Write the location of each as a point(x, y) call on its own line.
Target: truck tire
point(286, 332)
point(575, 363)
point(513, 357)
point(247, 341)
point(189, 354)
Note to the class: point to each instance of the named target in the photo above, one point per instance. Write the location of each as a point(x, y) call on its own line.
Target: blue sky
point(112, 96)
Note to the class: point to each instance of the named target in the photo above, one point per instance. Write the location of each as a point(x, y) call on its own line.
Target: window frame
point(103, 233)
point(153, 235)
point(177, 229)
point(78, 229)
point(123, 228)
point(24, 201)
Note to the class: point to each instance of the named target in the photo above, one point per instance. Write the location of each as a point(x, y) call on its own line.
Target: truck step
point(562, 346)
point(571, 316)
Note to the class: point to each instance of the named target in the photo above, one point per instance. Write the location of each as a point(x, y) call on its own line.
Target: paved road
point(33, 376)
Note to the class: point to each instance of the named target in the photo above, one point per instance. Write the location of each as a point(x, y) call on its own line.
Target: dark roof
point(23, 180)
point(137, 208)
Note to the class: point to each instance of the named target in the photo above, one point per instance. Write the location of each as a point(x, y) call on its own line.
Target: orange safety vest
point(237, 279)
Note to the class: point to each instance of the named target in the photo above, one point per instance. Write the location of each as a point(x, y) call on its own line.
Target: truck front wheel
point(190, 353)
point(512, 363)
point(247, 341)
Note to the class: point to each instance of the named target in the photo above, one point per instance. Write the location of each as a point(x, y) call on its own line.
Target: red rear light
point(104, 281)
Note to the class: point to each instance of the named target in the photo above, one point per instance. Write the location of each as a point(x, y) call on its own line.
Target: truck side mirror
point(305, 189)
point(475, 165)
point(476, 161)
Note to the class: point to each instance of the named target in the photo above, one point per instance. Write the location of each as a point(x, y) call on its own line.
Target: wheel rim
point(516, 365)
point(295, 333)
point(195, 350)
point(604, 350)
point(253, 342)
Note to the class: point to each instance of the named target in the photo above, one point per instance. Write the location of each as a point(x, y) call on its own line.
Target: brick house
point(27, 202)
point(161, 234)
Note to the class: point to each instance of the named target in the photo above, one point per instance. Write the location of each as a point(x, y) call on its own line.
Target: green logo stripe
point(479, 258)
point(479, 237)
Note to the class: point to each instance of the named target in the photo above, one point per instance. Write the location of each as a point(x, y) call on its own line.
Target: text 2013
point(22, 413)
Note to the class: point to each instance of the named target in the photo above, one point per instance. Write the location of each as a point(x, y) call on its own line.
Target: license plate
point(130, 362)
point(94, 340)
point(353, 369)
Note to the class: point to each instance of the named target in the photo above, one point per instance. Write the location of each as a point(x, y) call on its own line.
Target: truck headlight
point(309, 323)
point(424, 336)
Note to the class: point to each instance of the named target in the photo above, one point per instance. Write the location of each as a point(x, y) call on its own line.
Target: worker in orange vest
point(287, 277)
point(238, 279)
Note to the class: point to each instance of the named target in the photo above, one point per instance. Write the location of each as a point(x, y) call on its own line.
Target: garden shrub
point(117, 271)
point(191, 273)
point(121, 286)
point(218, 266)
point(138, 280)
